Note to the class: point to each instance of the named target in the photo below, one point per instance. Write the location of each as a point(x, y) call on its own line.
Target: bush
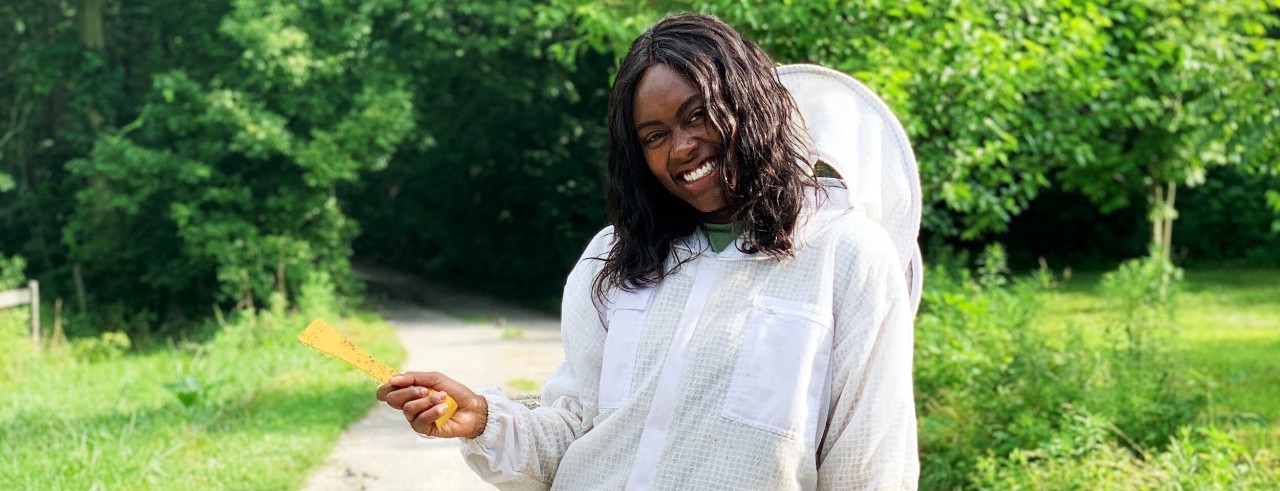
point(15, 342)
point(1085, 456)
point(1146, 397)
point(11, 272)
point(993, 393)
point(106, 346)
point(985, 381)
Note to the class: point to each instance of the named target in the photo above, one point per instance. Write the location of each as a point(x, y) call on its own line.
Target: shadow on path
point(390, 285)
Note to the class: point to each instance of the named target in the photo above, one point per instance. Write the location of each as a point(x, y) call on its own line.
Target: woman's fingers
point(411, 393)
point(401, 396)
point(385, 389)
point(423, 413)
point(416, 406)
point(423, 379)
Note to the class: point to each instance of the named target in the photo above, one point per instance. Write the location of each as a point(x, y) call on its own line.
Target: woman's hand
point(408, 393)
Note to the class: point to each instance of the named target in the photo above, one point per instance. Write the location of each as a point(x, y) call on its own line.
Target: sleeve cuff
point(499, 454)
point(497, 422)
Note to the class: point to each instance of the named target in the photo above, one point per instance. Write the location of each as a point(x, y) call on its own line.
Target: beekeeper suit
point(744, 371)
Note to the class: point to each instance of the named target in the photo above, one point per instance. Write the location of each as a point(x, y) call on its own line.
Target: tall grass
point(1226, 339)
point(251, 409)
point(1006, 403)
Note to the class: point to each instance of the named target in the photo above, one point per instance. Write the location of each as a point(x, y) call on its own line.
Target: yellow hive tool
point(320, 336)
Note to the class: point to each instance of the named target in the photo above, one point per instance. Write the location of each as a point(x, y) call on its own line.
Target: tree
point(1002, 99)
point(501, 188)
point(1180, 81)
point(225, 186)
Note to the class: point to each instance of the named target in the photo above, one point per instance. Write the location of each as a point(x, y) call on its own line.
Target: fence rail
point(26, 296)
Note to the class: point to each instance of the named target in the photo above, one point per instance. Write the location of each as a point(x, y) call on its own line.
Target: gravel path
point(477, 341)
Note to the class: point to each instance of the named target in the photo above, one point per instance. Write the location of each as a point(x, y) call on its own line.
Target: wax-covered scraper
point(328, 340)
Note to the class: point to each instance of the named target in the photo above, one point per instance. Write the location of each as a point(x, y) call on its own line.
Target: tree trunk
point(1161, 197)
point(1171, 214)
point(78, 279)
point(89, 16)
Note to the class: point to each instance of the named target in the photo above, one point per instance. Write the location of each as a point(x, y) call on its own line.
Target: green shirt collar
point(721, 235)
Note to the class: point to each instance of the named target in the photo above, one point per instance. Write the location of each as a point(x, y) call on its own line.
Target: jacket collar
point(822, 207)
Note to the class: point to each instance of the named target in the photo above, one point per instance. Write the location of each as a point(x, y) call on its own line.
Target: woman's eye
point(697, 115)
point(653, 138)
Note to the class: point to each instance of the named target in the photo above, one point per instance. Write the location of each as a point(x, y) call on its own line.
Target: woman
point(739, 326)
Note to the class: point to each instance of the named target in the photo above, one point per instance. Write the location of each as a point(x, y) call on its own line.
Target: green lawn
point(1227, 335)
point(265, 411)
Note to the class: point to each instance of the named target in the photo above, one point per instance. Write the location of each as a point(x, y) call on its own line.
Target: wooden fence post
point(34, 286)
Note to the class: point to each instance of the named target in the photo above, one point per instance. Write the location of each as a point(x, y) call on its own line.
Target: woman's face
point(679, 144)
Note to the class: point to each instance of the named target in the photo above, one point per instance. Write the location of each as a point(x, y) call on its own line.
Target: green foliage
point(316, 296)
point(984, 382)
point(1084, 456)
point(12, 272)
point(1148, 403)
point(215, 415)
point(226, 184)
point(523, 385)
point(187, 389)
point(15, 343)
point(1002, 99)
point(509, 333)
point(106, 346)
point(993, 266)
point(992, 389)
point(1142, 291)
point(509, 153)
point(216, 153)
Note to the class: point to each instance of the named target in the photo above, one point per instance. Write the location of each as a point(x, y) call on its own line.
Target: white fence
point(26, 296)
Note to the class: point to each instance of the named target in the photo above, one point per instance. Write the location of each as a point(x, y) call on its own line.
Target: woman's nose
point(685, 144)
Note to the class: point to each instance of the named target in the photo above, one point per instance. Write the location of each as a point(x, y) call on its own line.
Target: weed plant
point(1006, 406)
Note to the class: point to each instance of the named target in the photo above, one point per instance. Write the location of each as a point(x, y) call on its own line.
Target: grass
point(1226, 335)
point(522, 386)
point(265, 411)
point(469, 317)
point(512, 333)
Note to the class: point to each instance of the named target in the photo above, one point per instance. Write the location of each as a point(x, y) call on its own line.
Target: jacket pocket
point(622, 343)
point(782, 369)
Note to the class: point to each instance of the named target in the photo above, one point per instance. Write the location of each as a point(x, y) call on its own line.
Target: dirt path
point(476, 340)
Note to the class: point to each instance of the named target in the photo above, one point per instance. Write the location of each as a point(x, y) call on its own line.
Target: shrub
point(994, 393)
point(11, 272)
point(106, 346)
point(1145, 395)
point(1085, 456)
point(15, 342)
point(316, 297)
point(985, 381)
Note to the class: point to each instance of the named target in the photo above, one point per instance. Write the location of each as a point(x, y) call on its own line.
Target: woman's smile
point(702, 171)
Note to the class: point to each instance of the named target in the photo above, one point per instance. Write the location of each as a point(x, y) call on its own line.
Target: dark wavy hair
point(752, 113)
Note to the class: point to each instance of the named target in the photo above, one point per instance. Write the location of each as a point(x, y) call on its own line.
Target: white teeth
point(698, 173)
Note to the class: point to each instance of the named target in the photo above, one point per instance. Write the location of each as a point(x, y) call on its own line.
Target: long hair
point(751, 112)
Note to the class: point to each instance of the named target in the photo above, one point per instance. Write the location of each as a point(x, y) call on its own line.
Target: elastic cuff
point(499, 415)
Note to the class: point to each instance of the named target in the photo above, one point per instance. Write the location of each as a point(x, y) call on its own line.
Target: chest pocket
point(782, 369)
point(626, 325)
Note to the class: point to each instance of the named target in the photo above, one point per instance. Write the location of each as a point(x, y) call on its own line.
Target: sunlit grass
point(267, 410)
point(1226, 336)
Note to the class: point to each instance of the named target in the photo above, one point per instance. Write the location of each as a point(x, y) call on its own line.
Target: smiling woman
point(740, 325)
point(680, 148)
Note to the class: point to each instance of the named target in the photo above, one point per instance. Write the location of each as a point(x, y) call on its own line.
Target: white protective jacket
point(739, 371)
